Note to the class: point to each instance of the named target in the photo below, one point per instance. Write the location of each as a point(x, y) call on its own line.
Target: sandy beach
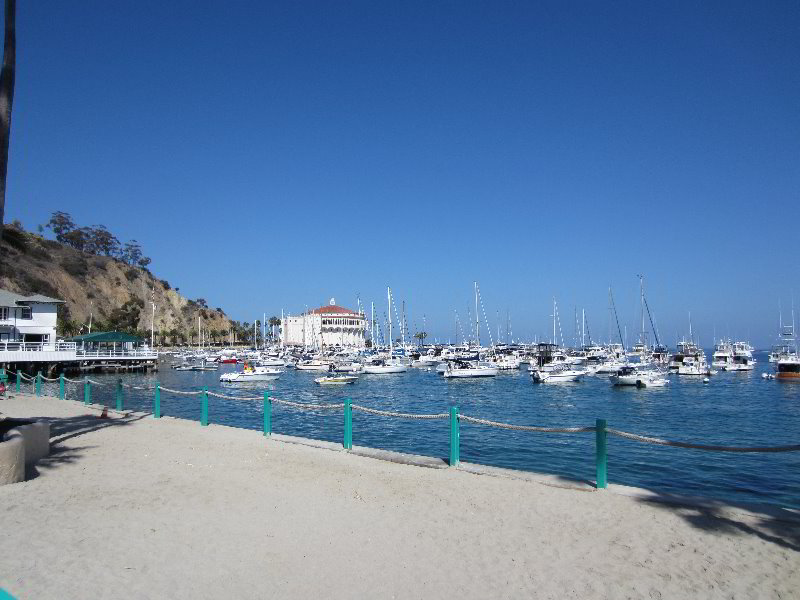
point(136, 507)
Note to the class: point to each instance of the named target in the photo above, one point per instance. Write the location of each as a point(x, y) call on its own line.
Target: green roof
point(106, 336)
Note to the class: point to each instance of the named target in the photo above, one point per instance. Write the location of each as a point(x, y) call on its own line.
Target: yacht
point(336, 380)
point(723, 355)
point(461, 368)
point(742, 357)
point(689, 360)
point(380, 366)
point(251, 373)
point(787, 363)
point(631, 376)
point(556, 375)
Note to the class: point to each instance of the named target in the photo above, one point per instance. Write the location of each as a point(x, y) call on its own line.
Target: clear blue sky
point(271, 156)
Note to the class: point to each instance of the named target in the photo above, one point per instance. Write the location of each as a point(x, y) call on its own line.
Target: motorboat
point(336, 379)
point(464, 369)
point(348, 367)
point(379, 366)
point(626, 376)
point(563, 375)
point(312, 365)
point(689, 360)
point(742, 357)
point(723, 355)
point(631, 376)
point(251, 373)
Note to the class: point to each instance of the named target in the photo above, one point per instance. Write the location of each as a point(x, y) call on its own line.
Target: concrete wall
point(12, 458)
point(21, 446)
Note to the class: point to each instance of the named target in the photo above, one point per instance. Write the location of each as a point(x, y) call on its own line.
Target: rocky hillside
point(117, 294)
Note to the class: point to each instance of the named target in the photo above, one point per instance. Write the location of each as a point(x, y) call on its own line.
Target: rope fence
point(600, 429)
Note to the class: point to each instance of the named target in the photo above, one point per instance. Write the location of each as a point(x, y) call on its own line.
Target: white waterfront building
point(28, 319)
point(326, 326)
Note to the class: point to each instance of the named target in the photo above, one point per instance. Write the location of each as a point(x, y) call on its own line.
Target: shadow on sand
point(772, 524)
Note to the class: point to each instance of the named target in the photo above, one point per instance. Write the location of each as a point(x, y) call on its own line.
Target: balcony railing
point(7, 346)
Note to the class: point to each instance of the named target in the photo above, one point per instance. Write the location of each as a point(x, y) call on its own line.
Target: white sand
point(168, 509)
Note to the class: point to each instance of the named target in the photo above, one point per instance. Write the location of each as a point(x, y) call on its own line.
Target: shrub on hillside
point(15, 238)
point(131, 274)
point(75, 266)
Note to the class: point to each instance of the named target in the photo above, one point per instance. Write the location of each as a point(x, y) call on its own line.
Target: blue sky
point(272, 156)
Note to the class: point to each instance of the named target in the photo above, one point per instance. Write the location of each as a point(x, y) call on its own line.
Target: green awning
point(106, 336)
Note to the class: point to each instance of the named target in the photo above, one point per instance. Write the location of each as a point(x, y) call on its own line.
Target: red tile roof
point(333, 309)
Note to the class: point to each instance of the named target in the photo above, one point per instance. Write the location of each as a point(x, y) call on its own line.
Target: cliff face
point(118, 295)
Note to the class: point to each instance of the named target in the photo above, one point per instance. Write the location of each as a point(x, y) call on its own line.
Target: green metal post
point(38, 383)
point(455, 438)
point(87, 391)
point(348, 425)
point(19, 379)
point(267, 414)
point(204, 416)
point(61, 390)
point(157, 402)
point(602, 454)
point(119, 394)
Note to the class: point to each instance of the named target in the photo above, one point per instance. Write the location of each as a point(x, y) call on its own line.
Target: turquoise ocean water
point(733, 409)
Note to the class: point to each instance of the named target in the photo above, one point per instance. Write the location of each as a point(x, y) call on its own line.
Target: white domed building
point(326, 326)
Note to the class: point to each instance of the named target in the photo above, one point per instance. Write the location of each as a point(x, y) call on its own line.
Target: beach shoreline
point(139, 507)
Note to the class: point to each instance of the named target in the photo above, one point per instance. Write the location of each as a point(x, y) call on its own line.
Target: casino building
point(327, 326)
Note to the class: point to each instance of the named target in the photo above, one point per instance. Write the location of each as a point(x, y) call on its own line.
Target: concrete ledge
point(12, 458)
point(400, 457)
point(36, 439)
point(543, 478)
point(291, 439)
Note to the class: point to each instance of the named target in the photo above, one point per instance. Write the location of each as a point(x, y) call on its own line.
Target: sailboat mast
point(477, 322)
point(389, 296)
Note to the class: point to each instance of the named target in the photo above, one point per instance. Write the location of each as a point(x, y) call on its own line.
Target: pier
point(72, 357)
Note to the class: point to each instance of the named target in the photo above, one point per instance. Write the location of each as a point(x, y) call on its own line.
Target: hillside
point(117, 294)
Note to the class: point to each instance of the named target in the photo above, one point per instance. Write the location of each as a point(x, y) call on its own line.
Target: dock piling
point(61, 389)
point(38, 383)
point(455, 438)
point(157, 402)
point(119, 394)
point(87, 391)
point(601, 439)
point(267, 414)
point(204, 415)
point(348, 425)
point(19, 379)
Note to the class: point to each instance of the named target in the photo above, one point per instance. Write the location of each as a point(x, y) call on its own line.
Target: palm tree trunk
point(6, 98)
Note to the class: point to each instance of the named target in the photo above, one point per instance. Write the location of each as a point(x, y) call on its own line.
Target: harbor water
point(734, 409)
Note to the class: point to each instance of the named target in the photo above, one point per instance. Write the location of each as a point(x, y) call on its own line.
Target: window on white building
point(26, 313)
point(3, 313)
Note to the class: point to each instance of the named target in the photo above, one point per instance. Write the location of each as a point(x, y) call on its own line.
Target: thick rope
point(49, 379)
point(179, 392)
point(388, 413)
point(233, 397)
point(526, 427)
point(308, 406)
point(662, 442)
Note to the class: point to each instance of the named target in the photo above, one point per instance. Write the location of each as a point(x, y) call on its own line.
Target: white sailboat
point(389, 365)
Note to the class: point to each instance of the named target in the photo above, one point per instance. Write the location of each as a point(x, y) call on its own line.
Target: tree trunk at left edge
point(6, 99)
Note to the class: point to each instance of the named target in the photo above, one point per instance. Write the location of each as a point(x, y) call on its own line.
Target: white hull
point(556, 376)
point(242, 378)
point(475, 372)
point(311, 367)
point(384, 369)
point(340, 380)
